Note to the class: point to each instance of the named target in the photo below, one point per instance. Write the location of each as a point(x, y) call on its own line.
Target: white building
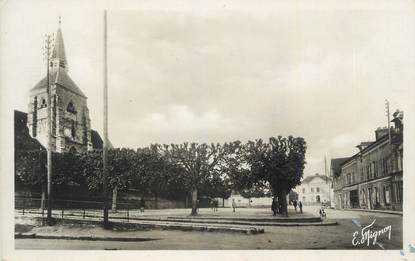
point(315, 189)
point(242, 202)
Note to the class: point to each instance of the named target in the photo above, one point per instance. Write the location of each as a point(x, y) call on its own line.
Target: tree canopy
point(253, 169)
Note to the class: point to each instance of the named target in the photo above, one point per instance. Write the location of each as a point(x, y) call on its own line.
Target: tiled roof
point(59, 49)
point(22, 139)
point(310, 178)
point(97, 142)
point(61, 78)
point(336, 165)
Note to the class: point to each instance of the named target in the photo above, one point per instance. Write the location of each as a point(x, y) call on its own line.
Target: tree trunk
point(283, 198)
point(42, 201)
point(194, 202)
point(156, 201)
point(114, 199)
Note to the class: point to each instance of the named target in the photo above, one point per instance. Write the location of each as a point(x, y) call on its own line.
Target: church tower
point(71, 129)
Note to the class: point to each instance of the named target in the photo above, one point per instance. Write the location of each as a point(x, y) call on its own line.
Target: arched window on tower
point(43, 104)
point(71, 107)
point(72, 150)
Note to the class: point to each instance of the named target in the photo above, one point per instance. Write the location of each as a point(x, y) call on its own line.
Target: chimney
point(380, 132)
point(398, 120)
point(364, 144)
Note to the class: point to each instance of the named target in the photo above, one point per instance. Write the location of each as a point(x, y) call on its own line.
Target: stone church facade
point(71, 125)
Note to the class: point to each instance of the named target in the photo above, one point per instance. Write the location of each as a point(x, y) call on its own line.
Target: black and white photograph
point(224, 125)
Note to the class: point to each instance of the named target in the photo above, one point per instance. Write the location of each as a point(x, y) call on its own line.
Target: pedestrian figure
point(300, 205)
point(274, 206)
point(142, 204)
point(322, 213)
point(212, 205)
point(295, 205)
point(233, 204)
point(216, 204)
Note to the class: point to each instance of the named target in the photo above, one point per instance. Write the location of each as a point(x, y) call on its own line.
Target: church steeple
point(58, 57)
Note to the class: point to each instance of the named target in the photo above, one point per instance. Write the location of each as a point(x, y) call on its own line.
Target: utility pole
point(388, 115)
point(48, 47)
point(105, 149)
point(328, 178)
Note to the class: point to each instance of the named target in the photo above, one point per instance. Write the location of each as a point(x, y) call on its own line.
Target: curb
point(165, 226)
point(237, 222)
point(89, 238)
point(398, 213)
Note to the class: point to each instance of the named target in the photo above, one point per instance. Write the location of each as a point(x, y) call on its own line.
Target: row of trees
point(177, 170)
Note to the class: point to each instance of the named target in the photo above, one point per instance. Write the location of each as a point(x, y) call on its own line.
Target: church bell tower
point(71, 128)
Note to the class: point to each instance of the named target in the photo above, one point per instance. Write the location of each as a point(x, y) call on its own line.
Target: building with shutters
point(373, 177)
point(315, 189)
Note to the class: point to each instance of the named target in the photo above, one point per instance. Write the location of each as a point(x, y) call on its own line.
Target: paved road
point(311, 237)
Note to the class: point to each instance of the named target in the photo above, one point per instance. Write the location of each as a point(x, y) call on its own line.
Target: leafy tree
point(30, 168)
point(279, 162)
point(156, 171)
point(122, 170)
point(198, 162)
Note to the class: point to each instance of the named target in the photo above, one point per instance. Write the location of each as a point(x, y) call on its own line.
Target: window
point(71, 107)
point(398, 191)
point(312, 189)
point(317, 189)
point(43, 104)
point(303, 190)
point(386, 193)
point(400, 165)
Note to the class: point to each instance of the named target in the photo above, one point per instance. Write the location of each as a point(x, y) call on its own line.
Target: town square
point(227, 128)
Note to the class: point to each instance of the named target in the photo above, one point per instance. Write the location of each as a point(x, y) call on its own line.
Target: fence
point(73, 209)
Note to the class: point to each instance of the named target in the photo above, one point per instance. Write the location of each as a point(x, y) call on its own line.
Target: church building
point(71, 127)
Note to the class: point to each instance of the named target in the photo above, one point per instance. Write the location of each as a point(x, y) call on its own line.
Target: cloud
point(233, 73)
point(344, 140)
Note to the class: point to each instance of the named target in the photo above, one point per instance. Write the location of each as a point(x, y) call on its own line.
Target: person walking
point(322, 213)
point(295, 205)
point(212, 205)
point(233, 204)
point(300, 205)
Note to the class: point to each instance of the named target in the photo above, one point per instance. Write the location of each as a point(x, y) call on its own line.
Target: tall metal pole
point(387, 114)
point(326, 173)
point(105, 149)
point(48, 47)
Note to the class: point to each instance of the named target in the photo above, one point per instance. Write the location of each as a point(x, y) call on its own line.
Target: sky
point(224, 71)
